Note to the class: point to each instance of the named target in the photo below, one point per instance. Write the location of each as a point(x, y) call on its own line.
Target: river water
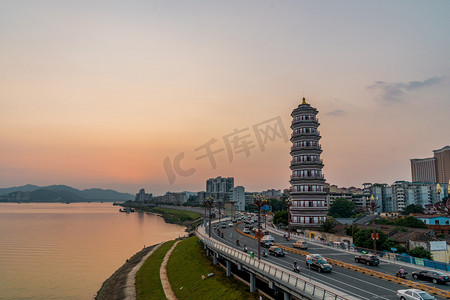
point(66, 251)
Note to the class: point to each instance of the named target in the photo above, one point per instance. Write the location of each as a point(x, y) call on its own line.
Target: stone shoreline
point(114, 287)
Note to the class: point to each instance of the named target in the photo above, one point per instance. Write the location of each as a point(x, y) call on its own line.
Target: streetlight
point(258, 202)
point(288, 205)
point(209, 202)
point(219, 203)
point(438, 190)
point(372, 206)
point(440, 206)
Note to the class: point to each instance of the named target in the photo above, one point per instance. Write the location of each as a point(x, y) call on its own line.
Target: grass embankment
point(148, 282)
point(185, 268)
point(174, 216)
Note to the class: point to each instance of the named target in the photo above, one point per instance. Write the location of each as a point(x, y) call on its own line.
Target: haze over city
point(107, 96)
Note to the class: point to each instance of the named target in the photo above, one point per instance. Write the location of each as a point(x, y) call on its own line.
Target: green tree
point(420, 252)
point(412, 209)
point(328, 225)
point(410, 221)
point(280, 217)
point(351, 230)
point(342, 208)
point(276, 205)
point(363, 238)
point(384, 221)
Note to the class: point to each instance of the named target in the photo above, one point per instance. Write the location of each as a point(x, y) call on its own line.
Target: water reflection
point(65, 251)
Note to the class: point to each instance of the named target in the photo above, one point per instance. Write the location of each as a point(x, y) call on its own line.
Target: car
point(246, 230)
point(224, 225)
point(230, 224)
point(318, 263)
point(268, 238)
point(368, 259)
point(414, 294)
point(266, 244)
point(316, 256)
point(301, 245)
point(433, 276)
point(276, 251)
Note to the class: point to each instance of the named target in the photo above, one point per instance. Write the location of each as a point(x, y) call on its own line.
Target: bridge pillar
point(207, 251)
point(240, 267)
point(252, 283)
point(228, 268)
point(271, 285)
point(287, 296)
point(214, 258)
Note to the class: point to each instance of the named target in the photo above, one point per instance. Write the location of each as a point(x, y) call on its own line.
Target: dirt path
point(163, 274)
point(130, 288)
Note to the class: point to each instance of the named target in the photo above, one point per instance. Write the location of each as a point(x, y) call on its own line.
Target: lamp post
point(258, 202)
point(438, 190)
point(372, 206)
point(440, 206)
point(219, 203)
point(288, 205)
point(204, 213)
point(209, 202)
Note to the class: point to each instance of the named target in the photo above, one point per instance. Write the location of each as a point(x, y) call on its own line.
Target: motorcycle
point(237, 243)
point(264, 253)
point(296, 269)
point(402, 276)
point(221, 235)
point(245, 248)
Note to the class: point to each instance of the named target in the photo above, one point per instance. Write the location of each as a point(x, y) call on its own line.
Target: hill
point(59, 193)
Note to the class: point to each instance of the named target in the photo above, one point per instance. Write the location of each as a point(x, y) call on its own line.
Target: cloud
point(393, 92)
point(337, 113)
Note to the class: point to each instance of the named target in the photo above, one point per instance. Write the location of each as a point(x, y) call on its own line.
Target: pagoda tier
point(309, 208)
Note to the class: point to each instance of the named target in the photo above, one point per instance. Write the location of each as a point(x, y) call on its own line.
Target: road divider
point(370, 272)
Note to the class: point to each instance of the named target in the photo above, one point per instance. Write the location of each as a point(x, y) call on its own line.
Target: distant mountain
point(59, 193)
point(23, 188)
point(100, 194)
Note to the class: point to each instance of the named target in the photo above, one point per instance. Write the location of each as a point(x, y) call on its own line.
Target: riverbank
point(114, 287)
point(189, 219)
point(190, 272)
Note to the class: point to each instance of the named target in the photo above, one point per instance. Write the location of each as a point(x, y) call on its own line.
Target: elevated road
point(359, 285)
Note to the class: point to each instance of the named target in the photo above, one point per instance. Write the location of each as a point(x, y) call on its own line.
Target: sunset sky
point(109, 93)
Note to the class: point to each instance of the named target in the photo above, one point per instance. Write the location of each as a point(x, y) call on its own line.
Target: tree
point(342, 208)
point(420, 252)
point(276, 205)
point(410, 221)
point(412, 209)
point(280, 217)
point(363, 238)
point(328, 225)
point(384, 221)
point(352, 230)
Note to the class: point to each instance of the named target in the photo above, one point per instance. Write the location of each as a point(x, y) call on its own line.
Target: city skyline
point(110, 96)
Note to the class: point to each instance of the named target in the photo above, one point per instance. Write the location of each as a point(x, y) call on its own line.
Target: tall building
point(400, 194)
point(143, 197)
point(424, 170)
point(238, 197)
point(434, 169)
point(219, 185)
point(442, 157)
point(309, 208)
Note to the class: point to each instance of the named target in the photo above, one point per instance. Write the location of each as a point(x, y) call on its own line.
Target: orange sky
point(96, 96)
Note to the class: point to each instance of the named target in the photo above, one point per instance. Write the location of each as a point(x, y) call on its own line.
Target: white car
point(246, 230)
point(268, 238)
point(230, 224)
point(414, 294)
